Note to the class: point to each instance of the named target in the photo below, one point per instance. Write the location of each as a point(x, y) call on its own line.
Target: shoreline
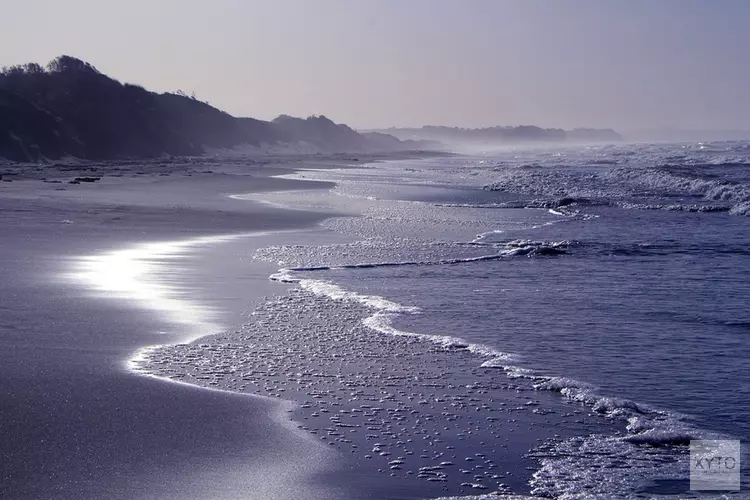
point(134, 281)
point(168, 252)
point(300, 396)
point(218, 351)
point(548, 391)
point(124, 414)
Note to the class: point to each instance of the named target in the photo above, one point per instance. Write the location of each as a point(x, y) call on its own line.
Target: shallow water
point(615, 275)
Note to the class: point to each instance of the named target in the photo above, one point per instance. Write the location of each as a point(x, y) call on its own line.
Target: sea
point(527, 322)
point(612, 278)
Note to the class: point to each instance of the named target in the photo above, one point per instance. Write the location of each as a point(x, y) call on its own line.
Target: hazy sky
point(628, 64)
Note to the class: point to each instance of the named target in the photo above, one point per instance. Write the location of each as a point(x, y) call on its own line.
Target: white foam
point(566, 386)
point(385, 312)
point(507, 249)
point(741, 209)
point(623, 185)
point(482, 236)
point(590, 468)
point(335, 292)
point(647, 426)
point(491, 496)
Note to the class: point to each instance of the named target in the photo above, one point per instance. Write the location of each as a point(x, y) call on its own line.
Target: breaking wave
point(628, 187)
point(512, 249)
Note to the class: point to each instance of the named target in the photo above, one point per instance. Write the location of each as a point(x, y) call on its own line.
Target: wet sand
point(414, 419)
point(74, 421)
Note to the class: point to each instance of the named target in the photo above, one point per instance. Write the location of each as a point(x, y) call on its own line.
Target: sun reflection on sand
point(149, 276)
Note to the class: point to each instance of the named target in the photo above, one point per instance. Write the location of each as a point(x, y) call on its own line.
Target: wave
point(591, 468)
point(647, 425)
point(628, 187)
point(741, 209)
point(335, 292)
point(479, 240)
point(503, 205)
point(491, 496)
point(651, 438)
point(663, 181)
point(385, 312)
point(567, 201)
point(676, 207)
point(484, 249)
point(646, 428)
point(511, 249)
point(653, 446)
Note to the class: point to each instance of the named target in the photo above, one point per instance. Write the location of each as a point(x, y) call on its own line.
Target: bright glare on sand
point(140, 274)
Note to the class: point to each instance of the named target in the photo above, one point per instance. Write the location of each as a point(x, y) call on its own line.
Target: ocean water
point(614, 277)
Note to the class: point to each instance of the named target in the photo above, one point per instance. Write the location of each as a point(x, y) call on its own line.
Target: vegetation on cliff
point(70, 108)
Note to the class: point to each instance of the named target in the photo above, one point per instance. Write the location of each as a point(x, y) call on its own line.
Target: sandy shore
point(415, 419)
point(149, 270)
point(75, 422)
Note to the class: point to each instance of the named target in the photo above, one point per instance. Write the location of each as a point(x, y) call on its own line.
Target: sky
point(626, 64)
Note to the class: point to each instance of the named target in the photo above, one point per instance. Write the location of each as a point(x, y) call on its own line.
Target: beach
point(102, 276)
point(76, 422)
point(384, 250)
point(349, 328)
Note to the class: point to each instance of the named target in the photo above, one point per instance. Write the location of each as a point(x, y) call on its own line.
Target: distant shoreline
point(503, 135)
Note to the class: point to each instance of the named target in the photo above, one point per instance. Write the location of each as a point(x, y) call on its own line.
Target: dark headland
point(70, 109)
